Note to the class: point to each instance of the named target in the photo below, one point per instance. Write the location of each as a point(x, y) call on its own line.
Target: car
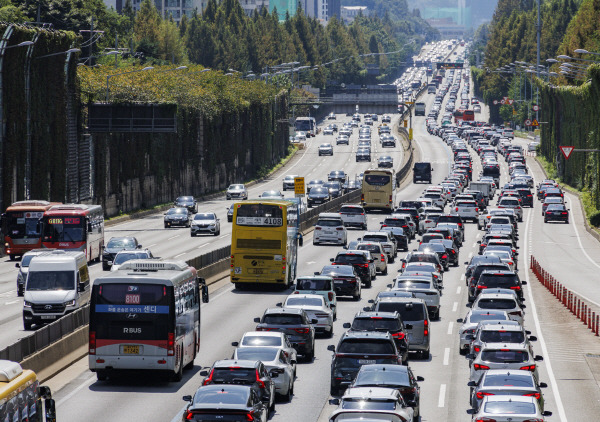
point(342, 139)
point(267, 339)
point(331, 116)
point(346, 281)
point(499, 279)
point(377, 253)
point(508, 302)
point(439, 249)
point(469, 324)
point(325, 149)
point(498, 332)
point(513, 382)
point(357, 348)
point(237, 191)
point(116, 244)
point(177, 217)
point(451, 250)
point(206, 222)
point(23, 267)
point(278, 364)
point(314, 183)
point(423, 287)
point(388, 141)
point(127, 255)
point(330, 228)
point(398, 234)
point(252, 373)
point(271, 194)
point(293, 322)
point(318, 195)
point(353, 215)
point(316, 309)
point(289, 182)
point(391, 322)
point(385, 161)
point(318, 285)
point(385, 239)
point(212, 401)
point(372, 403)
point(301, 136)
point(556, 212)
point(230, 213)
point(502, 356)
point(361, 260)
point(514, 408)
point(398, 377)
point(335, 188)
point(186, 201)
point(328, 130)
point(337, 175)
point(363, 154)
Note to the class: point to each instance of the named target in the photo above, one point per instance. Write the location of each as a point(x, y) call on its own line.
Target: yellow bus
point(264, 242)
point(378, 190)
point(21, 395)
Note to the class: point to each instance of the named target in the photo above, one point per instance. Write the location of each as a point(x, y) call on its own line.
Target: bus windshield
point(377, 179)
point(259, 215)
point(64, 229)
point(22, 225)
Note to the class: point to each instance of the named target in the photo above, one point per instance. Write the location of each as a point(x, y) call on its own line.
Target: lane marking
point(442, 395)
point(77, 390)
point(458, 289)
point(470, 255)
point(450, 327)
point(12, 302)
point(176, 256)
point(225, 235)
point(149, 246)
point(455, 307)
point(541, 341)
point(173, 237)
point(446, 356)
point(462, 277)
point(202, 246)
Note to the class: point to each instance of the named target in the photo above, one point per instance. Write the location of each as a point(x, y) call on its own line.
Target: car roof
point(226, 363)
point(263, 333)
point(371, 314)
point(280, 311)
point(362, 335)
point(371, 393)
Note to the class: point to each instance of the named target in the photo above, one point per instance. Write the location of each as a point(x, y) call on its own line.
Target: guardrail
point(578, 306)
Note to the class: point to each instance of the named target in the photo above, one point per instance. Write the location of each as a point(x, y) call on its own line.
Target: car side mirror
point(532, 338)
point(546, 413)
point(523, 306)
point(538, 358)
point(470, 411)
point(408, 326)
point(543, 385)
point(234, 344)
point(523, 282)
point(471, 384)
point(257, 320)
point(331, 259)
point(471, 356)
point(317, 273)
point(300, 240)
point(335, 402)
point(469, 305)
point(331, 348)
point(187, 398)
point(459, 320)
point(279, 304)
point(205, 372)
point(346, 325)
point(17, 265)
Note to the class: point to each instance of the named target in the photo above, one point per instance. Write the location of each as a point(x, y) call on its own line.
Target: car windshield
point(304, 301)
point(350, 258)
point(330, 223)
point(351, 210)
point(370, 404)
point(261, 341)
point(126, 256)
point(204, 217)
point(51, 280)
point(508, 380)
point(222, 396)
point(121, 243)
point(504, 356)
point(185, 199)
point(493, 303)
point(379, 377)
point(313, 284)
point(282, 319)
point(236, 187)
point(502, 336)
point(375, 324)
point(491, 316)
point(256, 353)
point(233, 374)
point(410, 284)
point(338, 270)
point(366, 347)
point(177, 211)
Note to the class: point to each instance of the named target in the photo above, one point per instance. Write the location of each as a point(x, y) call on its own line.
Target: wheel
point(334, 391)
point(288, 397)
point(27, 325)
point(166, 226)
point(310, 356)
point(218, 232)
point(384, 272)
point(192, 234)
point(12, 257)
point(425, 354)
point(315, 243)
point(101, 375)
point(364, 227)
point(356, 297)
point(368, 283)
point(330, 333)
point(177, 376)
point(545, 220)
point(462, 351)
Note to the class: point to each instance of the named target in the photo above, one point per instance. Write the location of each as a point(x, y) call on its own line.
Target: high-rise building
point(174, 8)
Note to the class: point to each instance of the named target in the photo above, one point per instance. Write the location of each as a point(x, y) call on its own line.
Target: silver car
point(289, 182)
point(503, 356)
point(315, 308)
point(206, 222)
point(377, 252)
point(371, 404)
point(385, 239)
point(237, 191)
point(277, 362)
point(511, 382)
point(325, 149)
point(498, 332)
point(509, 409)
point(424, 288)
point(469, 324)
point(509, 303)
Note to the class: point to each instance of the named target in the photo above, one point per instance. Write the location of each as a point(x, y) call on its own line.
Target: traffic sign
point(510, 101)
point(566, 151)
point(409, 102)
point(535, 123)
point(527, 122)
point(514, 112)
point(536, 107)
point(495, 102)
point(299, 186)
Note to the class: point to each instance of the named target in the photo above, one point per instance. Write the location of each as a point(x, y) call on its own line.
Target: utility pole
point(537, 69)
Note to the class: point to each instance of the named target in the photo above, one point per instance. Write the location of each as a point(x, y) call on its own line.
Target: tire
point(27, 325)
point(392, 260)
point(425, 354)
point(101, 375)
point(288, 397)
point(12, 257)
point(330, 333)
point(192, 234)
point(166, 226)
point(272, 407)
point(334, 391)
point(384, 272)
point(177, 376)
point(218, 232)
point(368, 283)
point(462, 351)
point(310, 356)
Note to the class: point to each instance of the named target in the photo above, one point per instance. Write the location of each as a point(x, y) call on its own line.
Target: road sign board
point(409, 102)
point(495, 102)
point(504, 99)
point(536, 107)
point(299, 186)
point(449, 65)
point(527, 122)
point(514, 112)
point(535, 123)
point(566, 151)
point(509, 101)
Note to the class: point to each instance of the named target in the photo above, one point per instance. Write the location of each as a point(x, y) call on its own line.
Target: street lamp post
point(123, 73)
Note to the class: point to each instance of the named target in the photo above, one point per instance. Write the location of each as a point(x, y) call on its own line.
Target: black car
point(385, 322)
point(188, 202)
point(335, 188)
point(356, 349)
point(473, 278)
point(244, 372)
point(318, 195)
point(115, 245)
point(397, 233)
point(338, 175)
point(345, 280)
point(295, 323)
point(398, 377)
point(225, 402)
point(556, 212)
point(422, 172)
point(230, 213)
point(358, 261)
point(363, 154)
point(500, 279)
point(440, 250)
point(180, 216)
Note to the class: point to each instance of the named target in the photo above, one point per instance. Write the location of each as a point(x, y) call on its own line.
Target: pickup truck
point(468, 210)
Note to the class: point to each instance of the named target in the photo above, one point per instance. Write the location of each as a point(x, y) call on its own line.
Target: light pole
point(582, 51)
point(123, 73)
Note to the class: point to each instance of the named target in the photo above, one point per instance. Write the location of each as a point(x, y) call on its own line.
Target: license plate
point(338, 282)
point(48, 317)
point(131, 350)
point(256, 271)
point(366, 361)
point(376, 200)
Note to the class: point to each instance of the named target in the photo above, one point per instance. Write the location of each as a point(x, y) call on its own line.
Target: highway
point(567, 251)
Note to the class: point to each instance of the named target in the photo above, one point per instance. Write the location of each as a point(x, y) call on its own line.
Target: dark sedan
point(225, 402)
point(345, 280)
point(115, 245)
point(295, 323)
point(335, 188)
point(188, 202)
point(556, 212)
point(318, 195)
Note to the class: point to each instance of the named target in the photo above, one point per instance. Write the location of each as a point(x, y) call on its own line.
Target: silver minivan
point(413, 312)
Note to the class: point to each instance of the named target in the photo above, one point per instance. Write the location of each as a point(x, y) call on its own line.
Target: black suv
point(295, 323)
point(422, 172)
point(356, 349)
point(345, 280)
point(115, 245)
point(500, 279)
point(386, 322)
point(359, 261)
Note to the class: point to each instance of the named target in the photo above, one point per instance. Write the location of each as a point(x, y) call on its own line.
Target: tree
point(147, 28)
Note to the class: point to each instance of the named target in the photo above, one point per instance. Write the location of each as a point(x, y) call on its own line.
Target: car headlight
point(70, 303)
point(26, 304)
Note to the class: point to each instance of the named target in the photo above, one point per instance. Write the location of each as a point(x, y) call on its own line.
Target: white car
point(315, 308)
point(505, 408)
point(206, 222)
point(127, 255)
point(274, 339)
point(488, 301)
point(330, 228)
point(354, 215)
point(325, 149)
point(512, 203)
point(238, 191)
point(468, 210)
point(328, 131)
point(371, 404)
point(277, 362)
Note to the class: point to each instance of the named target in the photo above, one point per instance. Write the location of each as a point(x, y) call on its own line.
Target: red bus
point(21, 226)
point(77, 227)
point(468, 116)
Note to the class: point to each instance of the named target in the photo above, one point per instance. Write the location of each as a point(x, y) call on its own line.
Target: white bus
point(308, 125)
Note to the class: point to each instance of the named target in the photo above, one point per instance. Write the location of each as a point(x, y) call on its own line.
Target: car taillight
point(301, 330)
point(426, 330)
point(482, 287)
point(480, 394)
point(261, 384)
point(330, 296)
point(479, 367)
point(339, 228)
point(382, 257)
point(477, 349)
point(92, 343)
point(515, 287)
point(171, 344)
point(536, 395)
point(399, 336)
point(528, 368)
point(564, 213)
point(209, 379)
point(444, 256)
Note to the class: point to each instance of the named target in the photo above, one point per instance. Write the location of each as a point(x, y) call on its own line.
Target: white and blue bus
point(146, 316)
point(307, 125)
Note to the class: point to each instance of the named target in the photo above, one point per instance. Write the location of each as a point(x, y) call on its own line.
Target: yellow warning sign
point(535, 123)
point(299, 186)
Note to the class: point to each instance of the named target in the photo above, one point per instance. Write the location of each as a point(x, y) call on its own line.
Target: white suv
point(354, 215)
point(330, 228)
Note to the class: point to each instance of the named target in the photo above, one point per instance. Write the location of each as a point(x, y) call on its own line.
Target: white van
point(58, 282)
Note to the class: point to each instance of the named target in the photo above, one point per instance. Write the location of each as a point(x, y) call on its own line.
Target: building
point(349, 13)
point(250, 6)
point(323, 10)
point(447, 28)
point(175, 8)
point(282, 6)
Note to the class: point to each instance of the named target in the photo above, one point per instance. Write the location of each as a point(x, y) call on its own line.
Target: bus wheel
point(12, 257)
point(177, 376)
